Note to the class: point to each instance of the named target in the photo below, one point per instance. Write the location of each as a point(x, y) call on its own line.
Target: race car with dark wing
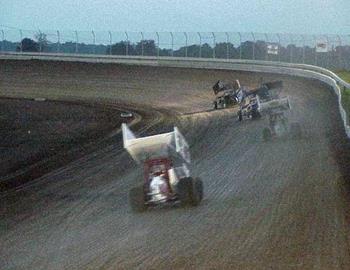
point(278, 126)
point(230, 94)
point(225, 94)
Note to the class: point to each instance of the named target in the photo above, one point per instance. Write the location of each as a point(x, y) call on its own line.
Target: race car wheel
point(190, 191)
point(255, 114)
point(184, 190)
point(197, 192)
point(137, 199)
point(267, 135)
point(240, 116)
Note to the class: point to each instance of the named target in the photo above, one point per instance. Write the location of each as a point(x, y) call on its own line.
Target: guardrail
point(300, 70)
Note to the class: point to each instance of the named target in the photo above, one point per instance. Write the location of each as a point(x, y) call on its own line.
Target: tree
point(28, 45)
point(224, 50)
point(42, 41)
point(207, 51)
point(122, 48)
point(193, 51)
point(148, 47)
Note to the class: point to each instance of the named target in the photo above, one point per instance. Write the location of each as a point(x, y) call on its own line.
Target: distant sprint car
point(278, 121)
point(230, 94)
point(126, 115)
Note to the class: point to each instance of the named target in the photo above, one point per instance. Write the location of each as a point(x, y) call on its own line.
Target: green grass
point(346, 102)
point(346, 98)
point(345, 75)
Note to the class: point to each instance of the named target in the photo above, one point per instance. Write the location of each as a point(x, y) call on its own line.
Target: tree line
point(338, 57)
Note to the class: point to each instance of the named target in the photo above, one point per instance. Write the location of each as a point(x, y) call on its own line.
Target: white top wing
point(161, 145)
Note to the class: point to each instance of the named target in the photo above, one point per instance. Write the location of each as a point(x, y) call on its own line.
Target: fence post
point(240, 45)
point(327, 56)
point(58, 41)
point(291, 48)
point(214, 44)
point(339, 54)
point(279, 47)
point(172, 43)
point(21, 37)
point(267, 49)
point(3, 41)
point(227, 47)
point(186, 40)
point(253, 45)
point(315, 39)
point(157, 44)
point(110, 42)
point(94, 41)
point(76, 41)
point(200, 45)
point(142, 38)
point(40, 42)
point(127, 44)
point(303, 38)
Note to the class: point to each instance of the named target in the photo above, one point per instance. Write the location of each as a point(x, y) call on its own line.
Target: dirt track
point(277, 205)
point(39, 136)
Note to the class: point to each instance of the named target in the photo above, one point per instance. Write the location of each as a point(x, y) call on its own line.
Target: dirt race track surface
point(275, 205)
point(38, 136)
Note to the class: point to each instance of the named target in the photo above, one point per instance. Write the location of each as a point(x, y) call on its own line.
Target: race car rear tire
point(240, 116)
point(267, 135)
point(137, 199)
point(190, 191)
point(255, 114)
point(197, 194)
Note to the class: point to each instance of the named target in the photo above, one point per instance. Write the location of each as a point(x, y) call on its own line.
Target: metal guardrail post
point(94, 41)
point(127, 44)
point(172, 43)
point(21, 38)
point(110, 42)
point(279, 47)
point(142, 39)
point(157, 44)
point(76, 41)
point(3, 41)
point(267, 53)
point(214, 43)
point(186, 41)
point(58, 41)
point(227, 47)
point(253, 45)
point(240, 45)
point(200, 45)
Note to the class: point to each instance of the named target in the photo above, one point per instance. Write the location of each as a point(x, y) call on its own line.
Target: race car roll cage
point(165, 164)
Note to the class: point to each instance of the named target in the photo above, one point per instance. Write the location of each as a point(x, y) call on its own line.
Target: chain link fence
point(329, 51)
